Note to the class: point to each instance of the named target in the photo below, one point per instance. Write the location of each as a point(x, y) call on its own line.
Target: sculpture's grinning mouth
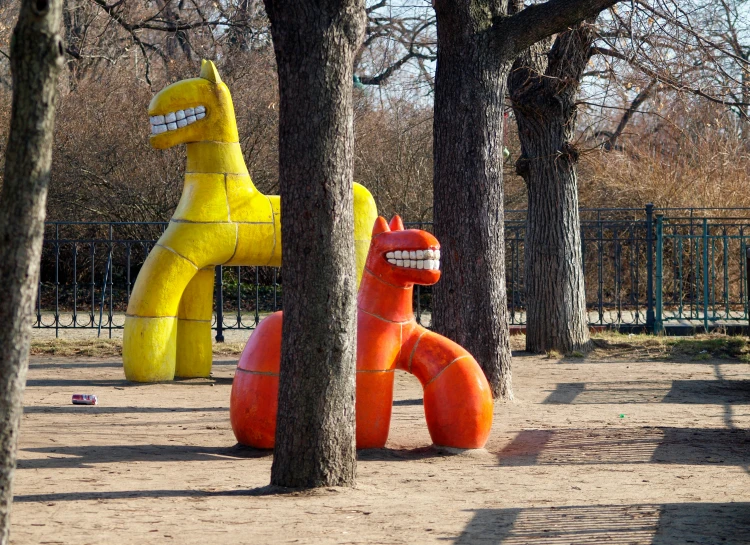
point(415, 259)
point(176, 120)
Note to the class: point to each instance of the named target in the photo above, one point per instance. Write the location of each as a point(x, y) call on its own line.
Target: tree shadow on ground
point(98, 409)
point(412, 454)
point(649, 524)
point(140, 494)
point(34, 365)
point(714, 392)
point(656, 445)
point(85, 456)
point(407, 402)
point(121, 383)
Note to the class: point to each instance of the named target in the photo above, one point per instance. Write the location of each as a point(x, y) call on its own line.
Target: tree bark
point(315, 44)
point(470, 299)
point(477, 43)
point(36, 61)
point(543, 87)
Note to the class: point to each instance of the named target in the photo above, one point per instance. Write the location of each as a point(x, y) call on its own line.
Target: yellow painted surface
point(365, 213)
point(202, 244)
point(204, 199)
point(209, 71)
point(254, 244)
point(247, 204)
point(215, 157)
point(159, 287)
point(275, 201)
point(194, 349)
point(148, 348)
point(197, 302)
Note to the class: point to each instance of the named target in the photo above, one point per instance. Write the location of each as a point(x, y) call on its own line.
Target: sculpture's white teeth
point(176, 120)
point(428, 260)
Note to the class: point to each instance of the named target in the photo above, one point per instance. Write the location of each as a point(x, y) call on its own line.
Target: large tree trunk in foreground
point(543, 87)
point(315, 43)
point(470, 300)
point(36, 60)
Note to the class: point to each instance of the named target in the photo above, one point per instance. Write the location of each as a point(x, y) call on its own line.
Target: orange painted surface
point(380, 301)
point(253, 407)
point(263, 351)
point(378, 343)
point(373, 407)
point(458, 406)
point(255, 389)
point(430, 354)
point(457, 398)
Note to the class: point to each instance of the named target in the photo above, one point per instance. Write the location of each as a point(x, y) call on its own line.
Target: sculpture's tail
point(457, 398)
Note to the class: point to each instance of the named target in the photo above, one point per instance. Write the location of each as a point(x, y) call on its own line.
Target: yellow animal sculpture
point(221, 219)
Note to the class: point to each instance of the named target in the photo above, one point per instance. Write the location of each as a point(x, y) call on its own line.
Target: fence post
point(649, 267)
point(658, 319)
point(219, 304)
point(747, 291)
point(705, 275)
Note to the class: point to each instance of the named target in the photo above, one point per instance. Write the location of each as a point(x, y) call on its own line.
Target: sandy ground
point(615, 452)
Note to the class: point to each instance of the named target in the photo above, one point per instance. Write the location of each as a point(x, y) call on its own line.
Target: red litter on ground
point(84, 399)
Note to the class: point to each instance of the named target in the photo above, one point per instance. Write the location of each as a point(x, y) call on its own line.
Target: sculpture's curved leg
point(255, 388)
point(378, 345)
point(194, 347)
point(457, 397)
point(149, 340)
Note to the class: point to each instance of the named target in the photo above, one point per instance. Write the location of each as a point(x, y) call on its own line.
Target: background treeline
point(661, 119)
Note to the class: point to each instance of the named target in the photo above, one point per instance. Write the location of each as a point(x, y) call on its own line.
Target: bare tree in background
point(543, 86)
point(36, 60)
point(400, 38)
point(665, 47)
point(662, 49)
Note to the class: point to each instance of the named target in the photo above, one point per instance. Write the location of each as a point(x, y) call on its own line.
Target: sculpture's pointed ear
point(396, 223)
point(380, 226)
point(209, 71)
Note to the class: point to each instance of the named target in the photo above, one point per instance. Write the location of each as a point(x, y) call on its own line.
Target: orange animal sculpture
point(457, 397)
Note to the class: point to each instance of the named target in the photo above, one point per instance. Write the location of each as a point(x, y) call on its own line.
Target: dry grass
point(228, 349)
point(105, 348)
point(695, 348)
point(607, 345)
point(98, 348)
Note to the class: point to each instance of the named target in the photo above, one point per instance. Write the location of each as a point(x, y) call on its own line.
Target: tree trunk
point(543, 88)
point(315, 44)
point(36, 60)
point(470, 300)
point(477, 44)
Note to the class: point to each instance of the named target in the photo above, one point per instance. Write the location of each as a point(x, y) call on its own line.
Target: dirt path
point(589, 452)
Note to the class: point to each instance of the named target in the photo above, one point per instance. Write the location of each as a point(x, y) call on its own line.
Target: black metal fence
point(644, 268)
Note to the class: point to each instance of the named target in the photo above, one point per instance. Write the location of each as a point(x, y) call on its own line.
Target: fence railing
point(644, 269)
